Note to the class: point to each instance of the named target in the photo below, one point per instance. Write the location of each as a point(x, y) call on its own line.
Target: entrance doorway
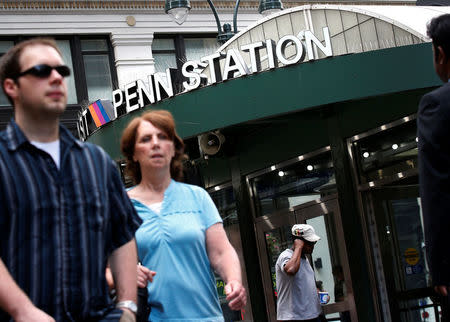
point(385, 170)
point(399, 224)
point(329, 259)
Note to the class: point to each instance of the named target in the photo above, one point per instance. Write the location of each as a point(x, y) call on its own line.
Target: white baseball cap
point(305, 231)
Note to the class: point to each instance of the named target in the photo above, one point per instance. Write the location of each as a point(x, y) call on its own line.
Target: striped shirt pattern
point(58, 227)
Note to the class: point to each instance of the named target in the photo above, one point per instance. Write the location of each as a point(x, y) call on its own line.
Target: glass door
point(386, 175)
point(399, 223)
point(329, 259)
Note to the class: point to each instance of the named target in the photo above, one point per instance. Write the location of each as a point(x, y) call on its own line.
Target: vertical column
point(351, 222)
point(248, 238)
point(133, 56)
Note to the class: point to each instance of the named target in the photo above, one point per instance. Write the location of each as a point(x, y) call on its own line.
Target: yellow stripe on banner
point(94, 116)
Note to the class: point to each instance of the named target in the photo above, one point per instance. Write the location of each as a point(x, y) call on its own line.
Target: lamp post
point(179, 9)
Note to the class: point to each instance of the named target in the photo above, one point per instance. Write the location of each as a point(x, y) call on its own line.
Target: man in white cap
point(296, 287)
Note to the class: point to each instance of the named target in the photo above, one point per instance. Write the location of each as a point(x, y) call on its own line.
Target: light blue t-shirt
point(173, 243)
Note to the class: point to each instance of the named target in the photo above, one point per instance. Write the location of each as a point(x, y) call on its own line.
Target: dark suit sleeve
point(433, 128)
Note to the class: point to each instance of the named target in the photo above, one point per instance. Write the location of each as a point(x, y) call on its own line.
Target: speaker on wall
point(211, 142)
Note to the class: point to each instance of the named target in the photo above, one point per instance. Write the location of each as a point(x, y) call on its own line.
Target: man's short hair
point(438, 29)
point(10, 61)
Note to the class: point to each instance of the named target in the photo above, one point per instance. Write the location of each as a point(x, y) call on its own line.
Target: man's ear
point(441, 57)
point(10, 87)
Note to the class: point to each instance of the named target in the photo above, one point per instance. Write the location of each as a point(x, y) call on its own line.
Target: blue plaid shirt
point(58, 227)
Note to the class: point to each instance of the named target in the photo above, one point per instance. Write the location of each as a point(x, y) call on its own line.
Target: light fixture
point(267, 7)
point(217, 188)
point(394, 146)
point(273, 168)
point(417, 139)
point(309, 168)
point(281, 173)
point(366, 154)
point(178, 10)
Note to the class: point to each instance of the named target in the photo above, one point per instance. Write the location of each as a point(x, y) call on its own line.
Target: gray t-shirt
point(297, 295)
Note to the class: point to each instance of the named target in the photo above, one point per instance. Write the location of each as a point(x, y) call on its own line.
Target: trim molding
point(157, 5)
point(52, 5)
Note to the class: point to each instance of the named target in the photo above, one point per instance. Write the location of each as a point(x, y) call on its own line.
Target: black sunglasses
point(44, 71)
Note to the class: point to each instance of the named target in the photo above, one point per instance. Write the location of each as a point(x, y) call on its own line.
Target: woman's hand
point(236, 295)
point(144, 275)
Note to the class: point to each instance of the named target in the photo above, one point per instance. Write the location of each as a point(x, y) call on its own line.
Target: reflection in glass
point(3, 99)
point(197, 48)
point(163, 44)
point(326, 258)
point(164, 61)
point(98, 77)
point(225, 202)
point(64, 46)
point(387, 152)
point(419, 310)
point(94, 45)
point(301, 182)
point(4, 46)
point(339, 317)
point(277, 240)
point(411, 243)
point(410, 256)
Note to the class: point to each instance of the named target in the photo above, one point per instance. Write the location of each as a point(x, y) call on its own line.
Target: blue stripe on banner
point(102, 110)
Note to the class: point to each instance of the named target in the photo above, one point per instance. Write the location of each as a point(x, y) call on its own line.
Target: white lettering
point(270, 46)
point(188, 71)
point(214, 66)
point(129, 96)
point(281, 50)
point(310, 38)
point(255, 59)
point(145, 94)
point(166, 85)
point(234, 63)
point(117, 100)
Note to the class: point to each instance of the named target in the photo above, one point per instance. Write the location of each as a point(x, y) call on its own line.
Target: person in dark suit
point(433, 127)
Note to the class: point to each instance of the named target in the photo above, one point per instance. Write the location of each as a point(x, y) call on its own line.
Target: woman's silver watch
point(130, 305)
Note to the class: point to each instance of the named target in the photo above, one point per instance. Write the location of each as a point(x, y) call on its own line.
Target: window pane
point(163, 61)
point(402, 37)
point(387, 153)
point(294, 184)
point(4, 46)
point(98, 77)
point(163, 44)
point(3, 99)
point(198, 48)
point(64, 46)
point(94, 45)
point(385, 34)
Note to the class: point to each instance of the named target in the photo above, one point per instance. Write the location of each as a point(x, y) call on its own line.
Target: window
point(293, 182)
point(164, 54)
point(4, 46)
point(97, 69)
point(174, 51)
point(197, 48)
point(64, 46)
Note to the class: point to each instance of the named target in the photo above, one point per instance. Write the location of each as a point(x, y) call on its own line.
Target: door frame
point(391, 193)
point(299, 214)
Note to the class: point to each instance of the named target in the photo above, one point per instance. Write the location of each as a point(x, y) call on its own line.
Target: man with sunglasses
point(297, 298)
point(63, 210)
